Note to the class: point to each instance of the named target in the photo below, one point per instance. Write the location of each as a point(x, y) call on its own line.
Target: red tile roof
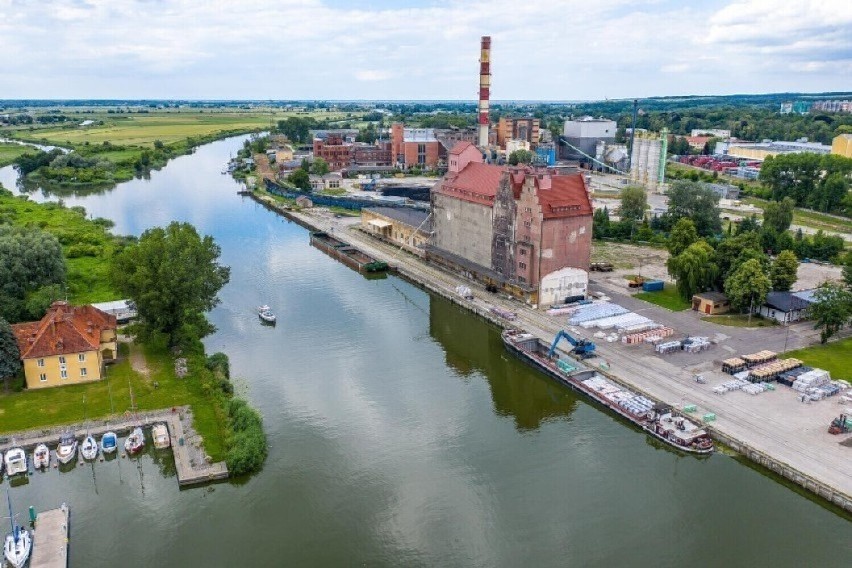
point(476, 183)
point(64, 329)
point(567, 197)
point(460, 147)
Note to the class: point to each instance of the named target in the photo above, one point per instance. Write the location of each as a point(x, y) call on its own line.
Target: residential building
point(842, 145)
point(68, 346)
point(414, 147)
point(512, 227)
point(787, 307)
point(517, 128)
point(698, 142)
point(409, 228)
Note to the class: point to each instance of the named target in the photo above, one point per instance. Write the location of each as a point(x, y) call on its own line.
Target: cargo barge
point(346, 253)
point(657, 419)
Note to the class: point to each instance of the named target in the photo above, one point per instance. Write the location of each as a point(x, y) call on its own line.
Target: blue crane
point(583, 348)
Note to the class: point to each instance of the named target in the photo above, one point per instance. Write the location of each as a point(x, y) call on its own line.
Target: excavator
point(582, 348)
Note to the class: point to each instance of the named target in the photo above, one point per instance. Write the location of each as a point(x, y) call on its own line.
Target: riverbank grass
point(834, 357)
point(159, 388)
point(10, 152)
point(667, 298)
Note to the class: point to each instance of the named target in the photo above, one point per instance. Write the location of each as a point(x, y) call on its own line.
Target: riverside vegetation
point(81, 256)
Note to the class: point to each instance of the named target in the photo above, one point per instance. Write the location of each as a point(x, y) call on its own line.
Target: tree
point(683, 234)
point(847, 270)
point(784, 271)
point(633, 203)
point(520, 157)
point(748, 285)
point(300, 179)
point(296, 129)
point(694, 269)
point(600, 223)
point(778, 215)
point(30, 259)
point(694, 201)
point(732, 252)
point(10, 356)
point(831, 310)
point(319, 167)
point(173, 275)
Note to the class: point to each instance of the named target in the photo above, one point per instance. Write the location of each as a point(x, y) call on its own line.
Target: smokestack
point(484, 89)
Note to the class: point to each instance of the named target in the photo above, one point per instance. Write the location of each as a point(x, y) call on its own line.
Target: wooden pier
point(50, 541)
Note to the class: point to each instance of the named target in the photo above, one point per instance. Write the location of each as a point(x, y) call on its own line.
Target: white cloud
point(542, 49)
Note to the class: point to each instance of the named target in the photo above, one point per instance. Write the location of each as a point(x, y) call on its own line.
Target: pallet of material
point(768, 371)
point(733, 365)
point(642, 337)
point(759, 358)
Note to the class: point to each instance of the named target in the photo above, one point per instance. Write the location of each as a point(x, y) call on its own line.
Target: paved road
point(773, 422)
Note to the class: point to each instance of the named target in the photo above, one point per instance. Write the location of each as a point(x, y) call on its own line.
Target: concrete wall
point(462, 228)
point(51, 367)
point(558, 285)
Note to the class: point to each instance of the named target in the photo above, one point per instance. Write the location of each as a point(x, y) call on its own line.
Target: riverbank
point(788, 443)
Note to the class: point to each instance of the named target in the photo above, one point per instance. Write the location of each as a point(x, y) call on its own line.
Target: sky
point(420, 49)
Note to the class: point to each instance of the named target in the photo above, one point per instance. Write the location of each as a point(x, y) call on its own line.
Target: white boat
point(89, 449)
point(109, 443)
point(41, 457)
point(1, 462)
point(16, 462)
point(67, 449)
point(266, 314)
point(18, 543)
point(135, 442)
point(161, 436)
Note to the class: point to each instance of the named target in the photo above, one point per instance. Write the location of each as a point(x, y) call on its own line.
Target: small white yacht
point(135, 442)
point(266, 315)
point(16, 462)
point(109, 443)
point(161, 436)
point(89, 449)
point(67, 449)
point(18, 543)
point(41, 457)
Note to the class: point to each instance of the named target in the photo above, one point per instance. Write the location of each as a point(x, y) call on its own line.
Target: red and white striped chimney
point(484, 89)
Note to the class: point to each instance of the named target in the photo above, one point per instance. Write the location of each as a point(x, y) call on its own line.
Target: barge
point(346, 253)
point(657, 419)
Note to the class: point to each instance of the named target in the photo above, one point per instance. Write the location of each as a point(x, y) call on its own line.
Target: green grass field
point(834, 357)
point(10, 152)
point(168, 127)
point(740, 320)
point(810, 219)
point(667, 298)
point(64, 405)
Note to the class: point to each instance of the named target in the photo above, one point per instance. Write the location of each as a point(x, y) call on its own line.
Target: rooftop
point(64, 329)
point(411, 217)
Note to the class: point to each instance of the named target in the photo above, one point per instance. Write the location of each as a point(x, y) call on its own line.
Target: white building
point(561, 284)
point(716, 132)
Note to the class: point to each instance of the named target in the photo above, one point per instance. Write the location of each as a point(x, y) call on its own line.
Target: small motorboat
point(89, 449)
point(1, 462)
point(266, 314)
point(16, 462)
point(41, 457)
point(18, 543)
point(135, 442)
point(67, 449)
point(161, 436)
point(109, 443)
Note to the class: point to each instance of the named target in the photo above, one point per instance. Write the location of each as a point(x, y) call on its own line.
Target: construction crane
point(583, 348)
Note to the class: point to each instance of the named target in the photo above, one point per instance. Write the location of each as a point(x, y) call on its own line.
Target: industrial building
point(583, 135)
point(411, 229)
point(414, 147)
point(517, 128)
point(514, 227)
point(648, 159)
point(714, 132)
point(762, 150)
point(842, 145)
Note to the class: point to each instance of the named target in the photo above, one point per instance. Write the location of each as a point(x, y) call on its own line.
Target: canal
point(402, 434)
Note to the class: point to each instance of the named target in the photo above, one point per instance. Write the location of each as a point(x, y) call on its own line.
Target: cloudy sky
point(420, 49)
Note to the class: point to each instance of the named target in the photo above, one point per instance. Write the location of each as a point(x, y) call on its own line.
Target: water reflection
point(471, 346)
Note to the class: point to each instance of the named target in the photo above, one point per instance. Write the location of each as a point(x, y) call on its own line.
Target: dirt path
point(138, 362)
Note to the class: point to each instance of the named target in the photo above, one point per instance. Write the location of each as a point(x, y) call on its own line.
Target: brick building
point(334, 149)
point(512, 227)
point(412, 147)
point(509, 128)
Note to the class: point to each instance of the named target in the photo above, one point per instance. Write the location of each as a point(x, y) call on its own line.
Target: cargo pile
point(789, 377)
point(668, 347)
point(759, 358)
point(565, 366)
point(621, 321)
point(816, 385)
point(597, 311)
point(696, 344)
point(505, 314)
point(644, 336)
point(728, 386)
point(733, 365)
point(768, 371)
point(631, 402)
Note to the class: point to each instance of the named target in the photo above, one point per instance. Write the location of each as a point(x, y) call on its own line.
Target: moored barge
point(346, 253)
point(657, 419)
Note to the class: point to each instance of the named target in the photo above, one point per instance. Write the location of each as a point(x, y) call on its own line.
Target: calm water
point(402, 434)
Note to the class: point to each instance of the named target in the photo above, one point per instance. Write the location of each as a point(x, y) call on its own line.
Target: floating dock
point(346, 253)
point(50, 541)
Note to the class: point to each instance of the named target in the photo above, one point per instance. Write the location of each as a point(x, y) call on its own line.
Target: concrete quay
point(50, 539)
point(191, 464)
point(773, 430)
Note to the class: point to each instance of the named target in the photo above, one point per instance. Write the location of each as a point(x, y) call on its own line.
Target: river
point(402, 434)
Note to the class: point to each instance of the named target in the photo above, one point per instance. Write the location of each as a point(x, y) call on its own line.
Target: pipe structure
point(484, 89)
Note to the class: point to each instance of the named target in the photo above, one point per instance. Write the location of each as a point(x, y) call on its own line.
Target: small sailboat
point(89, 449)
point(266, 315)
point(135, 442)
point(18, 543)
point(41, 457)
point(67, 449)
point(109, 443)
point(16, 462)
point(161, 436)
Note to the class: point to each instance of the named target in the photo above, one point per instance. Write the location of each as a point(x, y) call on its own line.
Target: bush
point(247, 448)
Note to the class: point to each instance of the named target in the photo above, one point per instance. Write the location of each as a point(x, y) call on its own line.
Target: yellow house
point(68, 346)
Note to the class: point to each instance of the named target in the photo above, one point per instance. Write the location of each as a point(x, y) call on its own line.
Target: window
point(521, 279)
point(42, 377)
point(40, 362)
point(522, 265)
point(82, 371)
point(63, 374)
point(527, 224)
point(61, 359)
point(523, 251)
point(421, 154)
point(81, 357)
